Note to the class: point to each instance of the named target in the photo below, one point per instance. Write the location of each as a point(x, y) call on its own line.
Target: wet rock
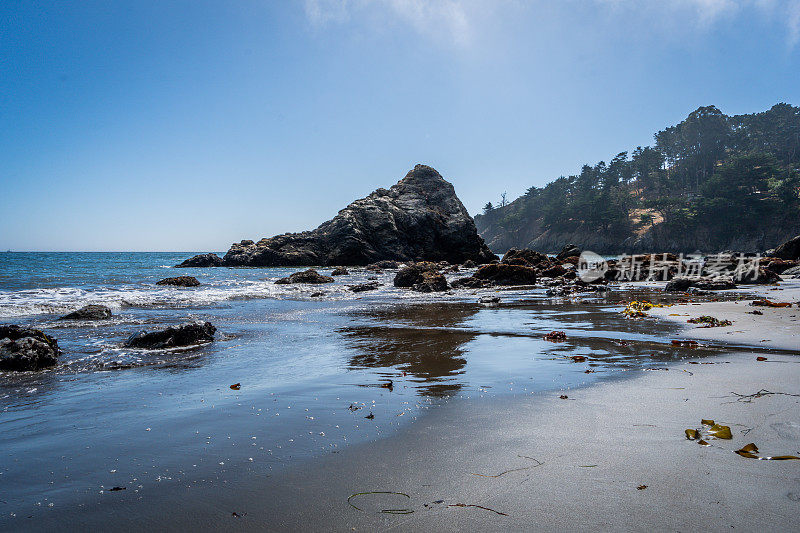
point(412, 274)
point(683, 284)
point(202, 260)
point(419, 219)
point(180, 281)
point(431, 282)
point(471, 283)
point(523, 257)
point(789, 250)
point(570, 250)
point(89, 312)
point(188, 334)
point(340, 271)
point(306, 276)
point(363, 287)
point(761, 276)
point(382, 265)
point(504, 274)
point(24, 349)
point(554, 271)
point(469, 263)
point(489, 300)
point(779, 266)
point(793, 271)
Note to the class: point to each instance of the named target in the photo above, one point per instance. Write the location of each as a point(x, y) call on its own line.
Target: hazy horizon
point(146, 127)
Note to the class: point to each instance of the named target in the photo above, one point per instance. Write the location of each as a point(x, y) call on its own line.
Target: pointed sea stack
point(418, 219)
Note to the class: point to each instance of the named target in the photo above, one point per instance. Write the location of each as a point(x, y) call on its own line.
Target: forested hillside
point(712, 182)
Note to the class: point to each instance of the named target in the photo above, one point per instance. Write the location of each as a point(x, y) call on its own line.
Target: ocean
point(314, 373)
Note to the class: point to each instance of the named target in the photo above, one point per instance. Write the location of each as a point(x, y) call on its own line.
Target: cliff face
point(418, 219)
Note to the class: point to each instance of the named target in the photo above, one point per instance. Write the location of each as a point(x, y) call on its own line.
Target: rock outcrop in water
point(202, 260)
point(306, 276)
point(26, 349)
point(173, 337)
point(180, 281)
point(89, 312)
point(419, 219)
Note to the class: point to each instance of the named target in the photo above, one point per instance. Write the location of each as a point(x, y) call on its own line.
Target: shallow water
point(311, 370)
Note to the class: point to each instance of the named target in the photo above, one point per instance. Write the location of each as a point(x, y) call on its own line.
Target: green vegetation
point(713, 180)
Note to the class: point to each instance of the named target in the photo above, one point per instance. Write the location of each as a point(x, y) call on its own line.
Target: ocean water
point(316, 373)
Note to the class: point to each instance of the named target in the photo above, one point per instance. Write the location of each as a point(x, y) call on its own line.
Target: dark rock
point(554, 271)
point(431, 282)
point(789, 250)
point(363, 287)
point(761, 276)
point(683, 284)
point(412, 274)
point(779, 266)
point(503, 274)
point(173, 337)
point(340, 271)
point(202, 260)
point(523, 257)
point(571, 260)
point(489, 300)
point(471, 282)
point(306, 276)
point(180, 281)
point(317, 294)
point(382, 265)
point(418, 219)
point(469, 263)
point(794, 271)
point(26, 349)
point(569, 250)
point(89, 312)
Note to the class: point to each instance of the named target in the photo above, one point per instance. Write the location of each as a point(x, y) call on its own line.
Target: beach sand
point(776, 328)
point(596, 449)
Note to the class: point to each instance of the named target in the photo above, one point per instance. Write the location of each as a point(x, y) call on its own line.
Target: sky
point(188, 125)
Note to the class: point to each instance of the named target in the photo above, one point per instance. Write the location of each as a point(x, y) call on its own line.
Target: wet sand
point(775, 328)
point(595, 448)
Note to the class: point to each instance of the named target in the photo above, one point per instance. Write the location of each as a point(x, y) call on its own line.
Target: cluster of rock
point(418, 219)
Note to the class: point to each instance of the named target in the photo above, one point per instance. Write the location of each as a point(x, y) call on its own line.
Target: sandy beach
point(609, 457)
point(775, 328)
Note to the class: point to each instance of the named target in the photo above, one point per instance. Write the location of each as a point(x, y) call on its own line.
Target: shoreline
point(596, 448)
point(776, 328)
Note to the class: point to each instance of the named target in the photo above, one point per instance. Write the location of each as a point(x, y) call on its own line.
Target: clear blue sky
point(171, 125)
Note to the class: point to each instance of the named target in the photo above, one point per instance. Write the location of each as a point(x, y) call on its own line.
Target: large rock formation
point(418, 219)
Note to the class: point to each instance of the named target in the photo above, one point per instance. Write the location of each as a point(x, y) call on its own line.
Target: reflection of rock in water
point(417, 339)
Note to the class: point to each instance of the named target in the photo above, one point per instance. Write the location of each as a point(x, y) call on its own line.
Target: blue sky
point(176, 125)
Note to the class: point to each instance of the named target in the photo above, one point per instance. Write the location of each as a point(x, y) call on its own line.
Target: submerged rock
point(306, 276)
point(24, 349)
point(202, 260)
point(89, 312)
point(180, 281)
point(363, 287)
point(172, 337)
point(419, 219)
point(789, 250)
